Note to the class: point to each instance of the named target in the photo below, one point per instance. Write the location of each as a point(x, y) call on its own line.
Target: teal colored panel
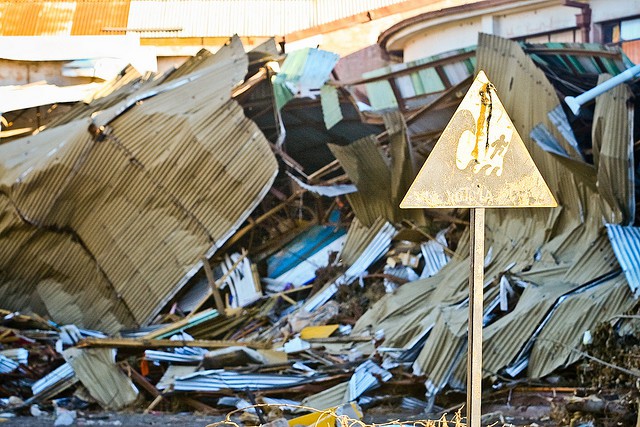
point(330, 106)
point(431, 81)
point(302, 71)
point(380, 93)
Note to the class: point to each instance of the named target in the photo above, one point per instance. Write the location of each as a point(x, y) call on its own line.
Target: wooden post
point(474, 352)
point(214, 286)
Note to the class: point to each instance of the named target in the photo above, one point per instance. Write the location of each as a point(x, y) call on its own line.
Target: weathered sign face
point(479, 160)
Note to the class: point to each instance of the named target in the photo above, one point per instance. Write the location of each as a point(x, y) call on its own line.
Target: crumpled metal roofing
point(381, 182)
point(555, 251)
point(362, 247)
point(215, 380)
point(102, 232)
point(626, 245)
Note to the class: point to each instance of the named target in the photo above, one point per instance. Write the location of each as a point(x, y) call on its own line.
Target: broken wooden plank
point(159, 343)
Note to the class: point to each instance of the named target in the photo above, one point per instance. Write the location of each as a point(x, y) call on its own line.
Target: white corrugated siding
point(221, 18)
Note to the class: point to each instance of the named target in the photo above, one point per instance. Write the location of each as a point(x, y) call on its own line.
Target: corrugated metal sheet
point(381, 180)
point(114, 390)
point(105, 232)
point(199, 18)
point(612, 140)
point(555, 251)
point(626, 245)
point(578, 313)
point(7, 365)
point(110, 93)
point(20, 355)
point(94, 17)
point(434, 255)
point(362, 247)
point(170, 18)
point(165, 356)
point(365, 377)
point(328, 398)
point(222, 380)
point(59, 375)
point(80, 17)
point(367, 169)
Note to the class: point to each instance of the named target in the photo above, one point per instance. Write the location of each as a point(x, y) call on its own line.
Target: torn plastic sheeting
point(365, 378)
point(626, 245)
point(215, 380)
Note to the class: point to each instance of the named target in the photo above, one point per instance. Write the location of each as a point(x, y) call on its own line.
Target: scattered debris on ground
point(227, 237)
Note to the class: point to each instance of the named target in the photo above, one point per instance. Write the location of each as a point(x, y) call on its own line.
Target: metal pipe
point(583, 20)
point(574, 103)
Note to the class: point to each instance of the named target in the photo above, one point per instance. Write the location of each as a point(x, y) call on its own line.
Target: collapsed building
point(242, 199)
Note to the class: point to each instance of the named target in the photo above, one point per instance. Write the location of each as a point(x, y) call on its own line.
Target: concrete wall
point(23, 72)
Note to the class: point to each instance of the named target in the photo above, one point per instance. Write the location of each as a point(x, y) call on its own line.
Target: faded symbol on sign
point(484, 138)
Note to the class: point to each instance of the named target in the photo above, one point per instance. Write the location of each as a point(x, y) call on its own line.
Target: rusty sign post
point(479, 162)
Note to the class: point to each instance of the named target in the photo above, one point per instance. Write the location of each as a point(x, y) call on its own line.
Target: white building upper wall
point(608, 10)
point(517, 19)
point(445, 37)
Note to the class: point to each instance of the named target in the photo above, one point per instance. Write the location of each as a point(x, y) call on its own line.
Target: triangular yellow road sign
point(479, 160)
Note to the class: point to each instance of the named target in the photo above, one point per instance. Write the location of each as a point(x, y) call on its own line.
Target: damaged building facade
point(241, 212)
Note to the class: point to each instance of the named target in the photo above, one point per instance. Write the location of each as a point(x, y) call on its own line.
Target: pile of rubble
point(229, 233)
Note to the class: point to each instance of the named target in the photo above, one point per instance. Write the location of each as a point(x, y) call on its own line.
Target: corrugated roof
point(66, 17)
point(171, 18)
point(198, 18)
point(94, 18)
point(174, 176)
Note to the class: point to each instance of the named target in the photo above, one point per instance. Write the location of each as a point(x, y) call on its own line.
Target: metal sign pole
point(474, 350)
point(478, 162)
